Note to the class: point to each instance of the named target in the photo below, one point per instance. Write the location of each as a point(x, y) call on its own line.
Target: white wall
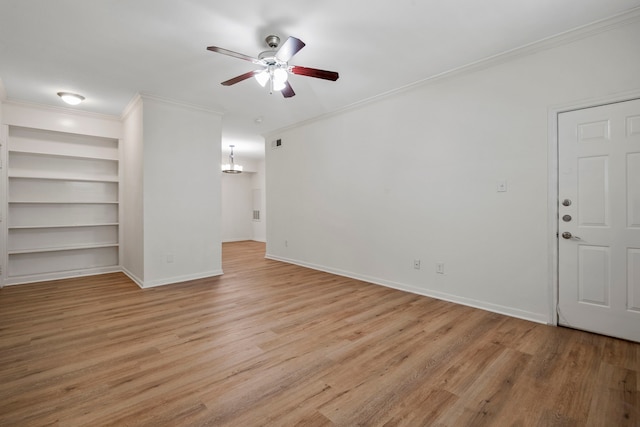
point(133, 192)
point(181, 180)
point(238, 203)
point(236, 207)
point(258, 185)
point(413, 176)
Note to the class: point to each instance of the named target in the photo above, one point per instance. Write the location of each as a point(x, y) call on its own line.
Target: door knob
point(567, 235)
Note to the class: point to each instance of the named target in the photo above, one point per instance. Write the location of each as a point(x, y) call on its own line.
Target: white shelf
point(44, 214)
point(61, 177)
point(29, 227)
point(33, 264)
point(61, 248)
point(32, 165)
point(60, 144)
point(52, 191)
point(46, 239)
point(59, 155)
point(62, 204)
point(40, 202)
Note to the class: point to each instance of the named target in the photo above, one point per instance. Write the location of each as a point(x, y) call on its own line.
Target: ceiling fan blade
point(314, 72)
point(289, 48)
point(240, 78)
point(234, 54)
point(287, 92)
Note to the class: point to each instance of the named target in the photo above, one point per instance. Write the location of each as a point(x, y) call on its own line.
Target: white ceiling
point(109, 50)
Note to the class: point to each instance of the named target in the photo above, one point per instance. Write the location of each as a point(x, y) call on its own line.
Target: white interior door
point(599, 219)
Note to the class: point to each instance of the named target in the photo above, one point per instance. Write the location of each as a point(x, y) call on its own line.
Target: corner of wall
point(3, 92)
point(133, 103)
point(131, 193)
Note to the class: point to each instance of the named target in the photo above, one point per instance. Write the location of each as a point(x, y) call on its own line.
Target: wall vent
point(256, 215)
point(276, 143)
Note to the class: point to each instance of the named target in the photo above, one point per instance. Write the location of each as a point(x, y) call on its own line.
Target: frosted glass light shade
point(280, 75)
point(262, 78)
point(278, 85)
point(71, 98)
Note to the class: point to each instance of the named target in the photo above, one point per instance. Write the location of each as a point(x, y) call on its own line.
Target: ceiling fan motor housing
point(272, 41)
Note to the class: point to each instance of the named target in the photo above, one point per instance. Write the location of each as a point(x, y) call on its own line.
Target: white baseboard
point(178, 279)
point(133, 277)
point(483, 305)
point(94, 272)
point(46, 277)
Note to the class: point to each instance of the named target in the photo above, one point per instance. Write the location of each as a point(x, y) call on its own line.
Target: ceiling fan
point(274, 66)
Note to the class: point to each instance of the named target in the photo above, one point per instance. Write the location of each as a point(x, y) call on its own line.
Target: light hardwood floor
point(279, 345)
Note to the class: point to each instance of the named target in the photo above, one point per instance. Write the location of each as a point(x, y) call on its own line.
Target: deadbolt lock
point(566, 202)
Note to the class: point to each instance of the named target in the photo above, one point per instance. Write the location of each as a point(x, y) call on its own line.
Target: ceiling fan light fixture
point(71, 98)
point(262, 77)
point(280, 75)
point(278, 85)
point(276, 68)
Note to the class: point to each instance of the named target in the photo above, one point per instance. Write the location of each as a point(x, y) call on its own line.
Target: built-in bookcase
point(63, 204)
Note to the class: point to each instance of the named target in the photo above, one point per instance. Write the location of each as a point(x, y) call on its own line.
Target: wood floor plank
point(487, 395)
point(621, 386)
point(275, 344)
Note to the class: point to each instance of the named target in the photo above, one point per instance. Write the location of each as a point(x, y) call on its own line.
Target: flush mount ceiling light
point(71, 98)
point(231, 167)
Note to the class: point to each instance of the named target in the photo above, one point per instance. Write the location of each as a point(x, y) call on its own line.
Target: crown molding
point(149, 97)
point(143, 96)
point(56, 109)
point(130, 106)
point(569, 36)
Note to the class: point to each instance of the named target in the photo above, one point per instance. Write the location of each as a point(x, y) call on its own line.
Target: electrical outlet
point(416, 264)
point(440, 267)
point(169, 258)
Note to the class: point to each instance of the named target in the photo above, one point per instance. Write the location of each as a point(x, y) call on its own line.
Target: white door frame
point(552, 202)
